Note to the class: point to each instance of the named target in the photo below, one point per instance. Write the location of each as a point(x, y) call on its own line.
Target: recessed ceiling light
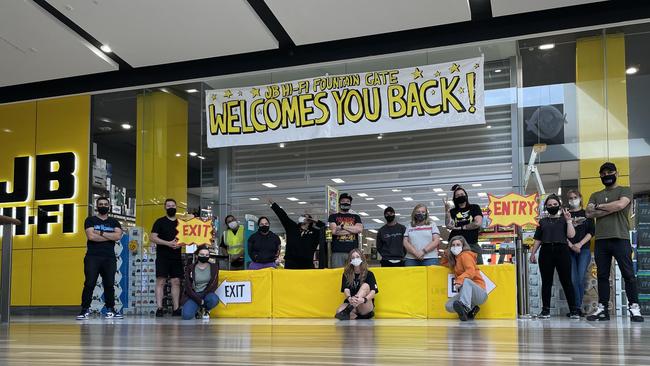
point(178, 155)
point(302, 203)
point(126, 126)
point(191, 91)
point(378, 221)
point(383, 207)
point(632, 70)
point(192, 153)
point(254, 199)
point(498, 70)
point(380, 137)
point(104, 128)
point(293, 199)
point(201, 157)
point(269, 185)
point(373, 231)
point(338, 180)
point(371, 239)
point(398, 214)
point(363, 214)
point(105, 48)
point(435, 218)
point(107, 120)
point(488, 126)
point(363, 195)
point(477, 185)
point(165, 90)
point(282, 145)
point(407, 198)
point(482, 194)
point(442, 194)
point(370, 199)
point(396, 190)
point(437, 189)
point(547, 46)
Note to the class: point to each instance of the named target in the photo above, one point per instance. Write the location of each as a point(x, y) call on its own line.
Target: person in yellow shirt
point(233, 241)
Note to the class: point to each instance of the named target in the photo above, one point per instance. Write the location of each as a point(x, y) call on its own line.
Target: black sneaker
point(177, 312)
point(545, 314)
point(461, 310)
point(345, 313)
point(159, 313)
point(601, 314)
point(83, 314)
point(113, 314)
point(472, 314)
point(635, 313)
point(574, 315)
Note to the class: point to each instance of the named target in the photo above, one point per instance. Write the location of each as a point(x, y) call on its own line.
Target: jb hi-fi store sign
point(50, 190)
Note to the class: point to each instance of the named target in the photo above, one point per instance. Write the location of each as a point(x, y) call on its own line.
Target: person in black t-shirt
point(359, 286)
point(345, 228)
point(464, 219)
point(552, 234)
point(390, 241)
point(169, 263)
point(102, 233)
point(579, 245)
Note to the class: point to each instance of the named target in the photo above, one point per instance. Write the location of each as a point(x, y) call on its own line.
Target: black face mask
point(420, 216)
point(171, 211)
point(345, 206)
point(460, 200)
point(102, 210)
point(389, 218)
point(553, 210)
point(265, 229)
point(203, 259)
point(608, 180)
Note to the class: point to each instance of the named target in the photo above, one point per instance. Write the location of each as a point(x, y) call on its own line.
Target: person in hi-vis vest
point(233, 241)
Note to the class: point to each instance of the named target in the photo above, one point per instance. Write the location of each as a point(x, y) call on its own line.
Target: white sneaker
point(635, 313)
point(206, 316)
point(601, 314)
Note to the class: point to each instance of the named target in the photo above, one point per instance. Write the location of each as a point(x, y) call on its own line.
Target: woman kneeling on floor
point(201, 281)
point(468, 282)
point(359, 286)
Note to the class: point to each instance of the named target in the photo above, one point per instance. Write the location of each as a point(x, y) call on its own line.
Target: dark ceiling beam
point(480, 9)
point(594, 14)
point(81, 32)
point(272, 23)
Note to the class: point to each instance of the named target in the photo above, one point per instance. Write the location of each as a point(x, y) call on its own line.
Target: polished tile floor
point(147, 341)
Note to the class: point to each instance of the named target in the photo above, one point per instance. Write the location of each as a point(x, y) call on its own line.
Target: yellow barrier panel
point(261, 285)
point(501, 302)
point(409, 292)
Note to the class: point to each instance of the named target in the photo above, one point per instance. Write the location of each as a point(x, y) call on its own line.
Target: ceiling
point(43, 40)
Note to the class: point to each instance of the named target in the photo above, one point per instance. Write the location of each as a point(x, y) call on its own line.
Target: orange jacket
point(466, 268)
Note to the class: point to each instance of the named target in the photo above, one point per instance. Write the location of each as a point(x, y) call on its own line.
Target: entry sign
point(513, 209)
point(194, 231)
point(234, 292)
point(489, 285)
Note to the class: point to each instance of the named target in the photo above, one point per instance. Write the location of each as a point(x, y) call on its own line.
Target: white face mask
point(233, 225)
point(456, 250)
point(302, 219)
point(356, 262)
point(574, 203)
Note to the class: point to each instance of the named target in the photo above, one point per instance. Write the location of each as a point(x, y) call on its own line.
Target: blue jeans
point(579, 263)
point(426, 262)
point(190, 307)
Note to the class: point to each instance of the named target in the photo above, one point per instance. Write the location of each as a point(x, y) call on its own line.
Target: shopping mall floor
point(167, 341)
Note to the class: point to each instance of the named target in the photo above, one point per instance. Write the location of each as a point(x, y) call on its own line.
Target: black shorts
point(169, 267)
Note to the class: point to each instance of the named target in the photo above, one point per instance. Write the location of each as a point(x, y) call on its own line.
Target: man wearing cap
point(390, 241)
point(611, 209)
point(345, 228)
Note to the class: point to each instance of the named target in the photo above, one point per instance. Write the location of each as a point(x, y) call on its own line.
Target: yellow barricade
point(261, 285)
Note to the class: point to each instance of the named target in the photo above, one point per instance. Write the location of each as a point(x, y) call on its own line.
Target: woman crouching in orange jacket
point(468, 282)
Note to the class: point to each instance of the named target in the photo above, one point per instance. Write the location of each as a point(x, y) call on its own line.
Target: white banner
point(415, 98)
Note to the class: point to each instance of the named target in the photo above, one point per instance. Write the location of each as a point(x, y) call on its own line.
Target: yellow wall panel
point(21, 272)
point(57, 276)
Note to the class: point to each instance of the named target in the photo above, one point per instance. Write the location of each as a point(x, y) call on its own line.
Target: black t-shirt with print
point(465, 216)
point(344, 243)
point(582, 225)
point(166, 230)
point(101, 248)
point(551, 230)
point(356, 285)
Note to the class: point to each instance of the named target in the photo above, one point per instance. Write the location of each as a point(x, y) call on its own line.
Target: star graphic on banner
point(240, 93)
point(417, 73)
point(476, 66)
point(227, 94)
point(461, 90)
point(214, 97)
point(255, 92)
point(437, 74)
point(454, 68)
